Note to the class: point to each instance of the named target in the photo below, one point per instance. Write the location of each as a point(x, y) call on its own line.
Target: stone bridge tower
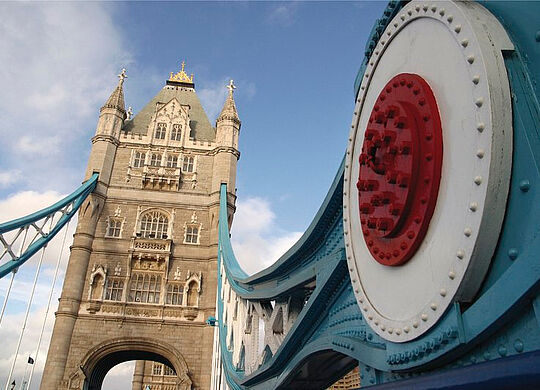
point(142, 273)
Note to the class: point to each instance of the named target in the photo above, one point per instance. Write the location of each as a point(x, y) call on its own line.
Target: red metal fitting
point(401, 160)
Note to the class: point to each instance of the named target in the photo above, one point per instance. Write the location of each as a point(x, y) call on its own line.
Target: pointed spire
point(116, 100)
point(229, 108)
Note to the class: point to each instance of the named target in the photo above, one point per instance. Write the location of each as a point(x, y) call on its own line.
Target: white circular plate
point(456, 48)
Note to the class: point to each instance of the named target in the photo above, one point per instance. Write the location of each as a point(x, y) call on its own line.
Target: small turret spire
point(116, 100)
point(229, 108)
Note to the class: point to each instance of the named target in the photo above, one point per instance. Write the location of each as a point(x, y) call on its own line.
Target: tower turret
point(111, 120)
point(227, 132)
point(113, 113)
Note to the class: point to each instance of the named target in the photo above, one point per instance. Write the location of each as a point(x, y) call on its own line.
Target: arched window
point(192, 234)
point(188, 163)
point(154, 225)
point(155, 160)
point(138, 159)
point(161, 129)
point(145, 288)
point(172, 161)
point(114, 227)
point(176, 133)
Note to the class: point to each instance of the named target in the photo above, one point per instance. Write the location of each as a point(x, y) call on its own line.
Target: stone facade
point(141, 278)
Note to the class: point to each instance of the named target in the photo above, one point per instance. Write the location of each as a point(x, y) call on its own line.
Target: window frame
point(139, 159)
point(157, 225)
point(115, 228)
point(176, 132)
point(188, 164)
point(114, 288)
point(155, 158)
point(140, 287)
point(161, 131)
point(191, 234)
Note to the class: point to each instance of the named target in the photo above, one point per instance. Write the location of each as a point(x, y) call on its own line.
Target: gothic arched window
point(138, 159)
point(172, 161)
point(145, 288)
point(154, 225)
point(176, 133)
point(155, 160)
point(188, 164)
point(161, 129)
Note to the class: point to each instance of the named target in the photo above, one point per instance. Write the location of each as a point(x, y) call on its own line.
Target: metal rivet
point(524, 185)
point(480, 127)
point(417, 8)
point(460, 254)
point(478, 180)
point(415, 324)
point(473, 206)
point(502, 350)
point(433, 306)
point(479, 102)
point(383, 327)
point(513, 253)
point(518, 345)
point(450, 18)
point(370, 317)
point(376, 322)
point(470, 59)
point(398, 331)
point(442, 292)
point(457, 29)
point(406, 329)
point(467, 232)
point(452, 275)
point(441, 12)
point(424, 317)
point(464, 42)
point(390, 330)
point(480, 153)
point(425, 7)
point(476, 79)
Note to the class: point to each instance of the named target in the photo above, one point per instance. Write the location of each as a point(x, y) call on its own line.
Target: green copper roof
point(201, 129)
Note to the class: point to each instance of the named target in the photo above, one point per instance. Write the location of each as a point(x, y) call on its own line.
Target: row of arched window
point(153, 224)
point(161, 132)
point(171, 161)
point(146, 288)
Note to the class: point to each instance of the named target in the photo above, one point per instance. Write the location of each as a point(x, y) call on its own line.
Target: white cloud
point(59, 62)
point(257, 240)
point(119, 377)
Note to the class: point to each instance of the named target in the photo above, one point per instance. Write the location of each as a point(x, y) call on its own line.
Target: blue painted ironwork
point(67, 207)
point(500, 326)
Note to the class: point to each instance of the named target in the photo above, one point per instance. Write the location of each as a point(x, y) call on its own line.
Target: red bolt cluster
point(400, 169)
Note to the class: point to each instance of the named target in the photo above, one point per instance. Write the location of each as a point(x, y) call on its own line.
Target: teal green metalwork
point(77, 198)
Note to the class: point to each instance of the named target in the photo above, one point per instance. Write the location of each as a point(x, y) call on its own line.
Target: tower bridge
point(420, 267)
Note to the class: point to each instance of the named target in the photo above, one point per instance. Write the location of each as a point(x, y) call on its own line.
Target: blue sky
point(294, 65)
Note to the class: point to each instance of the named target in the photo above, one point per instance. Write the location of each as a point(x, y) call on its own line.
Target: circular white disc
point(459, 62)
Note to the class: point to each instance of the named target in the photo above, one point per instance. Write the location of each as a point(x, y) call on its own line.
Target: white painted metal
point(456, 48)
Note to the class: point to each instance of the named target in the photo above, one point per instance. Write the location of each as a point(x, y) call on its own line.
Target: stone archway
point(100, 359)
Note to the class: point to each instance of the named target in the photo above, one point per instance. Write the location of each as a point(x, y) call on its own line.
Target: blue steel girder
point(503, 319)
point(37, 221)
